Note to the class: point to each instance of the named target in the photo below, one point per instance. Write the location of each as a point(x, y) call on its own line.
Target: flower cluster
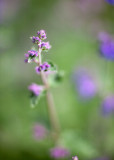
point(107, 47)
point(35, 56)
point(43, 67)
point(30, 56)
point(36, 40)
point(41, 35)
point(59, 152)
point(45, 46)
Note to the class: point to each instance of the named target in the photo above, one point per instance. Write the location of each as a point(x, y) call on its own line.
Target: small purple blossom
point(33, 53)
point(59, 152)
point(46, 65)
point(36, 39)
point(43, 67)
point(39, 132)
point(84, 84)
point(39, 68)
point(108, 105)
point(75, 158)
point(45, 46)
point(110, 2)
point(36, 89)
point(42, 34)
point(30, 56)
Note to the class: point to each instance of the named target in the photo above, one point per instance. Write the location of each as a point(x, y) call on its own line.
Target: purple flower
point(30, 56)
point(33, 39)
point(43, 67)
point(39, 68)
point(42, 34)
point(59, 152)
point(36, 89)
point(45, 46)
point(39, 132)
point(36, 40)
point(46, 66)
point(84, 84)
point(107, 50)
point(33, 53)
point(110, 1)
point(108, 105)
point(75, 158)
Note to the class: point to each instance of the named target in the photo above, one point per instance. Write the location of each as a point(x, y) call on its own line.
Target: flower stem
point(51, 107)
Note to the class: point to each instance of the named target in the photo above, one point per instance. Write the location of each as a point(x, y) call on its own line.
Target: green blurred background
point(72, 28)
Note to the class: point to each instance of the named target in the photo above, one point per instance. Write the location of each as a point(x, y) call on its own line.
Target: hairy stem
point(51, 107)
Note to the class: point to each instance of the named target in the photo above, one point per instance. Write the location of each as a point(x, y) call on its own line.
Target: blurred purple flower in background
point(106, 46)
point(59, 152)
point(104, 37)
point(39, 132)
point(36, 89)
point(84, 84)
point(108, 105)
point(110, 1)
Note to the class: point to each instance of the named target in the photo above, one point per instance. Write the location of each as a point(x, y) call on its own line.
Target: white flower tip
point(75, 158)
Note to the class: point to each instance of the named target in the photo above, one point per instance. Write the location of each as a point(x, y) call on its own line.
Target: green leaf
point(59, 76)
point(55, 79)
point(35, 99)
point(53, 66)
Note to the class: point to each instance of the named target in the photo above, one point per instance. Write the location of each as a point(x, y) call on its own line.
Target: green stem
point(51, 107)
